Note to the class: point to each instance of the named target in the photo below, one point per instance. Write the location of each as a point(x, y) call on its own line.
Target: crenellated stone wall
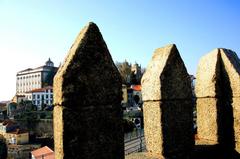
point(88, 114)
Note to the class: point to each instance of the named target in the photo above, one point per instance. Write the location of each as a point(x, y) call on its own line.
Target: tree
point(124, 69)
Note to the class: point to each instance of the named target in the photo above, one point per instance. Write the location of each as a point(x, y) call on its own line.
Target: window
point(47, 96)
point(51, 96)
point(38, 96)
point(34, 96)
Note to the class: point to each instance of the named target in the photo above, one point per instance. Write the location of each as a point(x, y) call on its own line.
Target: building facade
point(30, 79)
point(41, 96)
point(12, 133)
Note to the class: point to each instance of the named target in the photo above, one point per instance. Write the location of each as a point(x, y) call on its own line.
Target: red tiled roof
point(136, 87)
point(45, 152)
point(40, 89)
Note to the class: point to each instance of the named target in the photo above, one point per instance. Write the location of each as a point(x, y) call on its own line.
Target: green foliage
point(43, 115)
point(26, 106)
point(133, 114)
point(128, 125)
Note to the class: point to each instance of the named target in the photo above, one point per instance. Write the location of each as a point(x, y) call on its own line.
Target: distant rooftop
point(40, 89)
point(48, 64)
point(44, 152)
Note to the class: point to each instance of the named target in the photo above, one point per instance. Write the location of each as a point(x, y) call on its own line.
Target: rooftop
point(136, 87)
point(44, 152)
point(18, 131)
point(40, 89)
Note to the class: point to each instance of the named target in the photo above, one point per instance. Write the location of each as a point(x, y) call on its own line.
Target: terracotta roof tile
point(45, 152)
point(136, 87)
point(40, 89)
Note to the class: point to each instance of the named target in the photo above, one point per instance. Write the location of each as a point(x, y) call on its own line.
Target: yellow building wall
point(22, 138)
point(124, 94)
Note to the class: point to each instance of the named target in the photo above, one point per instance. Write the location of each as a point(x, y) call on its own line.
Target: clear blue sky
point(31, 31)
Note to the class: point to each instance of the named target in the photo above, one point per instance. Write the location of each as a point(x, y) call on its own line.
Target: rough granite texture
point(142, 155)
point(87, 97)
point(231, 64)
point(168, 128)
point(168, 105)
point(166, 76)
point(218, 102)
point(207, 119)
point(207, 75)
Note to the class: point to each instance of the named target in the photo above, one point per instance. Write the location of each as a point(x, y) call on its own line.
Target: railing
point(134, 142)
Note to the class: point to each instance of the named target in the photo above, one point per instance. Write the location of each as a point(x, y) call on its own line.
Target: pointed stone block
point(87, 97)
point(231, 64)
point(217, 91)
point(166, 76)
point(208, 73)
point(168, 105)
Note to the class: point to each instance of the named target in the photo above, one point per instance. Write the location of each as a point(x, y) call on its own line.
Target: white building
point(30, 79)
point(41, 96)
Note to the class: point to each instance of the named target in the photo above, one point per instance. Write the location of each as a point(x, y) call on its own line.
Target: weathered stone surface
point(215, 121)
point(208, 74)
point(207, 119)
point(90, 133)
point(237, 147)
point(236, 116)
point(87, 97)
point(218, 112)
point(168, 105)
point(231, 64)
point(166, 76)
point(168, 128)
point(88, 75)
point(142, 155)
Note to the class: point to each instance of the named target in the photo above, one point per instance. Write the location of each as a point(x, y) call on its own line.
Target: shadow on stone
point(225, 119)
point(175, 126)
point(213, 152)
point(225, 149)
